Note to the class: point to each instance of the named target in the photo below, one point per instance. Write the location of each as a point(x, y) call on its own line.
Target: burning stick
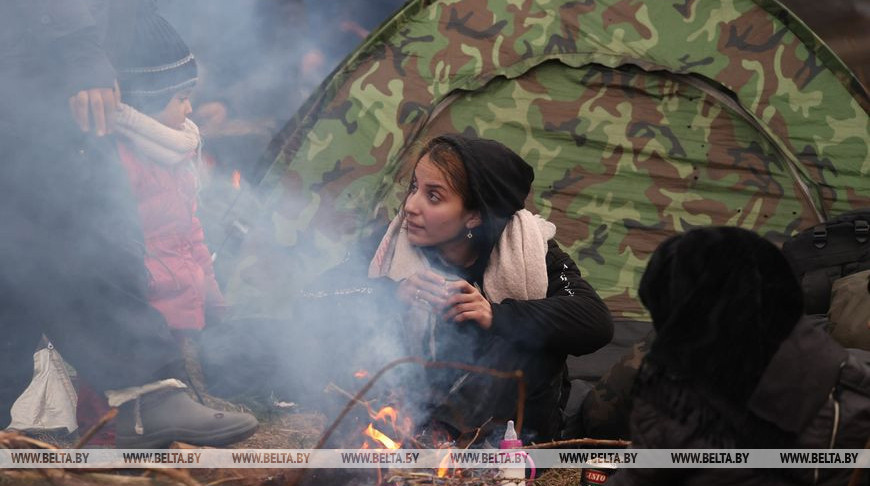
point(380, 415)
point(516, 375)
point(379, 436)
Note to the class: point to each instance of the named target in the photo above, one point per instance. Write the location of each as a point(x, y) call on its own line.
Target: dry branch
point(477, 433)
point(178, 475)
point(15, 440)
point(95, 428)
point(225, 480)
point(575, 442)
point(485, 477)
point(33, 478)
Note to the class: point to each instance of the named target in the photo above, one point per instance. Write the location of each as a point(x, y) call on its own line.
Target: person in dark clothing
point(735, 365)
point(485, 284)
point(71, 248)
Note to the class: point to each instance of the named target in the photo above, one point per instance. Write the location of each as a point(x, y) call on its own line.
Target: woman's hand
point(466, 303)
point(424, 287)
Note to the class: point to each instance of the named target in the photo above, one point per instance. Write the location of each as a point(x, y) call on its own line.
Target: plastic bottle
point(514, 474)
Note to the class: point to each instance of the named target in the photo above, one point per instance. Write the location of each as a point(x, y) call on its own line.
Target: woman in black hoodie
point(485, 283)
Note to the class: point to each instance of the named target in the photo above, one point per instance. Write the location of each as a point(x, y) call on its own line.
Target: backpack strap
point(855, 373)
point(862, 230)
point(816, 286)
point(820, 236)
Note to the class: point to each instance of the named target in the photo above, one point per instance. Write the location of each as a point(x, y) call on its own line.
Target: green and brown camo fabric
point(642, 118)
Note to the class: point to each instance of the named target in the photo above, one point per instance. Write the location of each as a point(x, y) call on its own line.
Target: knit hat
point(153, 63)
point(500, 180)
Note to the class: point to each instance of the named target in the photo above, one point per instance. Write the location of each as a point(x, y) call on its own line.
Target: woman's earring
point(469, 235)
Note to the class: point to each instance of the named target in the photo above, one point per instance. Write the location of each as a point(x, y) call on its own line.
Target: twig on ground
point(179, 475)
point(333, 387)
point(10, 438)
point(477, 432)
point(575, 442)
point(52, 475)
point(95, 428)
point(34, 478)
point(224, 480)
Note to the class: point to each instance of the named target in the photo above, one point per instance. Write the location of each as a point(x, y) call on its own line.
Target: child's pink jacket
point(182, 281)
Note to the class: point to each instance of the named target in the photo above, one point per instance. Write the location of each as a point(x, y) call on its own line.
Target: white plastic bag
point(49, 402)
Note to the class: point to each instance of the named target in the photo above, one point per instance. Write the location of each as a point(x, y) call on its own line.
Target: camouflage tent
point(642, 118)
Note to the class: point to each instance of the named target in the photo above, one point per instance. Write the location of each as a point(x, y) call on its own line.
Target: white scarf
point(517, 268)
point(155, 140)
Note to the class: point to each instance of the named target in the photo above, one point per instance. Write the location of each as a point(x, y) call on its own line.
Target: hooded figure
point(484, 283)
point(734, 365)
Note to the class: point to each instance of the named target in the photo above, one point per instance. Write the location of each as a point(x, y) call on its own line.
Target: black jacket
point(571, 320)
point(535, 336)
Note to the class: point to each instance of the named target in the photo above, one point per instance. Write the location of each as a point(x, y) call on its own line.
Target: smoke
point(262, 57)
point(293, 329)
point(70, 252)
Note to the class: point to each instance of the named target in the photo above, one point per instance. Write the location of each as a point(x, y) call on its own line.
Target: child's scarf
point(155, 140)
point(517, 268)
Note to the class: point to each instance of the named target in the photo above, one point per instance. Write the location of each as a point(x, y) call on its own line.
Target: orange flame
point(379, 436)
point(359, 375)
point(387, 412)
point(444, 465)
point(237, 179)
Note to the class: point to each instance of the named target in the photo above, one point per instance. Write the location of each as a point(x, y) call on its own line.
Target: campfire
point(388, 416)
point(383, 422)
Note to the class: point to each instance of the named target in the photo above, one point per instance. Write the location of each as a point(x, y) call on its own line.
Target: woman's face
point(434, 212)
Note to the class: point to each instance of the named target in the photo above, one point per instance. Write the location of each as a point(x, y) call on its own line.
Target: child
point(159, 147)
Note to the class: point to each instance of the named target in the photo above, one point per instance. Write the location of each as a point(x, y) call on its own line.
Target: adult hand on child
point(466, 303)
point(97, 104)
point(424, 287)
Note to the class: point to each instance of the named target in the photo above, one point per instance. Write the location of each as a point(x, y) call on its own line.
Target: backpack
point(827, 252)
point(850, 311)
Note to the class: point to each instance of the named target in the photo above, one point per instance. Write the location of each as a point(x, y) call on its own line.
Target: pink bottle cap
point(510, 444)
